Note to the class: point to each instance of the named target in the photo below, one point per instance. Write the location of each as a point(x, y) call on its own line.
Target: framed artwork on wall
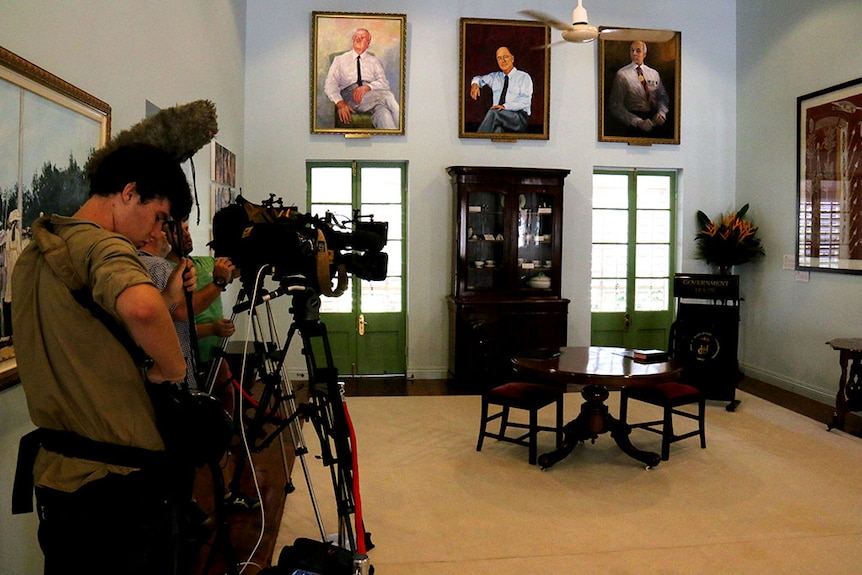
point(508, 60)
point(48, 129)
point(223, 185)
point(639, 90)
point(223, 165)
point(829, 179)
point(357, 73)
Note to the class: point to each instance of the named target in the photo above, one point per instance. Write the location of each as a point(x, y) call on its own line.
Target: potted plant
point(729, 241)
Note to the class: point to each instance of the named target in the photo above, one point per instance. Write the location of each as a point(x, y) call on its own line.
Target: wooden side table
point(849, 397)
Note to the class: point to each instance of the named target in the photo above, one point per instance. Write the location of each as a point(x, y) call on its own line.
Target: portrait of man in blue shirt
point(512, 91)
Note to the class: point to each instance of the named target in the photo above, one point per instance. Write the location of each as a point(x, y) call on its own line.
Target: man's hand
point(223, 268)
point(223, 328)
point(645, 125)
point(359, 92)
point(475, 90)
point(658, 119)
point(183, 279)
point(344, 111)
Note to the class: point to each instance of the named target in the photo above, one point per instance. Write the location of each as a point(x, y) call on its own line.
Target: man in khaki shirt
point(97, 516)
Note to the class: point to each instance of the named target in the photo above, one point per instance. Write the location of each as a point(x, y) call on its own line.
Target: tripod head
point(306, 300)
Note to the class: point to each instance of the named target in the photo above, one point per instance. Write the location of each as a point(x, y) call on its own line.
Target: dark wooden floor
point(245, 526)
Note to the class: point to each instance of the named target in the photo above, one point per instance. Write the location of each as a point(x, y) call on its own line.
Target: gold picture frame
point(528, 43)
point(331, 38)
point(615, 116)
point(50, 128)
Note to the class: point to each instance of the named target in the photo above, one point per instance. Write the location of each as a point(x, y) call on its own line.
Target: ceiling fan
point(580, 31)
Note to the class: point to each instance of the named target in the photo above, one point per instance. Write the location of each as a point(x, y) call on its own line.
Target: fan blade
point(551, 45)
point(547, 19)
point(632, 34)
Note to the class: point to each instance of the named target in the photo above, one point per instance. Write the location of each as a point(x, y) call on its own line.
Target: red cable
point(357, 501)
point(251, 399)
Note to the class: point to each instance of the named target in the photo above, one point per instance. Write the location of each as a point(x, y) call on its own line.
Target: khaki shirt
point(76, 375)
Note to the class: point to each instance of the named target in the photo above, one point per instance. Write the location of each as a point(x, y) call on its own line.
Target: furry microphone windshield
point(180, 130)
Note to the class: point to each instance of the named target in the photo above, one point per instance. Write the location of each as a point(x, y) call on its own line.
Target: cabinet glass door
point(535, 257)
point(485, 230)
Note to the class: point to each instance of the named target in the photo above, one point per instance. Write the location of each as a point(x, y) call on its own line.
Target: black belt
point(71, 445)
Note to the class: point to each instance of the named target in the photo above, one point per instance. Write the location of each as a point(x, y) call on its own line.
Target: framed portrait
point(48, 129)
point(357, 73)
point(508, 61)
point(639, 90)
point(829, 181)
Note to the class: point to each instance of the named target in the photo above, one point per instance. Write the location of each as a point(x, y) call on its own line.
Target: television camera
point(301, 245)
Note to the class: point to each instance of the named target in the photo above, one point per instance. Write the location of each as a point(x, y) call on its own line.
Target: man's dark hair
point(156, 175)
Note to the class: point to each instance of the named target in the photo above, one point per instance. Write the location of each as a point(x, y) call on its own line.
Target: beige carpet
point(772, 492)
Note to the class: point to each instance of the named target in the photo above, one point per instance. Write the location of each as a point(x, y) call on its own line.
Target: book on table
point(647, 355)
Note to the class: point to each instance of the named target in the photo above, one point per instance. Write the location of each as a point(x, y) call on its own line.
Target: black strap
point(71, 444)
point(22, 489)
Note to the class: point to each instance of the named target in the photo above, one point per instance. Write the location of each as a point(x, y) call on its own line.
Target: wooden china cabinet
point(506, 270)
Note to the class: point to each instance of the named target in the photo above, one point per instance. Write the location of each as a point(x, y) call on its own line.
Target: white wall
point(786, 50)
point(124, 53)
point(278, 142)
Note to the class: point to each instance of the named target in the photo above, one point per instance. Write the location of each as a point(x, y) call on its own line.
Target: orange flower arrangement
point(731, 241)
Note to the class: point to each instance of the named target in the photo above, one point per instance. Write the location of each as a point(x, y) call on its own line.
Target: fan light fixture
point(580, 31)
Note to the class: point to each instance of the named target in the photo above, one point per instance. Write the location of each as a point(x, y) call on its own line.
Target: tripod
point(276, 410)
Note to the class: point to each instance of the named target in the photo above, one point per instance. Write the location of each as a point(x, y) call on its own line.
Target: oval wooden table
point(596, 371)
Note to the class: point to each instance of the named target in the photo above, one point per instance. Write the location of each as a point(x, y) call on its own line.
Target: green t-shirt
point(204, 268)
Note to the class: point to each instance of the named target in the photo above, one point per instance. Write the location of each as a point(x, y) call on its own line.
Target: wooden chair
point(530, 397)
point(669, 396)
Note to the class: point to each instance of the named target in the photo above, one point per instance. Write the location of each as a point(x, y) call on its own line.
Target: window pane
point(608, 295)
point(393, 248)
point(381, 185)
point(609, 261)
point(610, 226)
point(383, 296)
point(340, 211)
point(653, 192)
point(610, 191)
point(652, 260)
point(331, 184)
point(343, 304)
point(390, 213)
point(651, 294)
point(653, 226)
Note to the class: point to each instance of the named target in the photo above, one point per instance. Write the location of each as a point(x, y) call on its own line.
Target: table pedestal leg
point(838, 416)
point(593, 420)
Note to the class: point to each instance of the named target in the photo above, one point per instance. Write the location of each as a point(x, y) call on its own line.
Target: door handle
point(362, 324)
point(627, 322)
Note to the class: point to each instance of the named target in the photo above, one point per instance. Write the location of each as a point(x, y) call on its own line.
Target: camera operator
point(81, 377)
point(160, 258)
point(214, 275)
